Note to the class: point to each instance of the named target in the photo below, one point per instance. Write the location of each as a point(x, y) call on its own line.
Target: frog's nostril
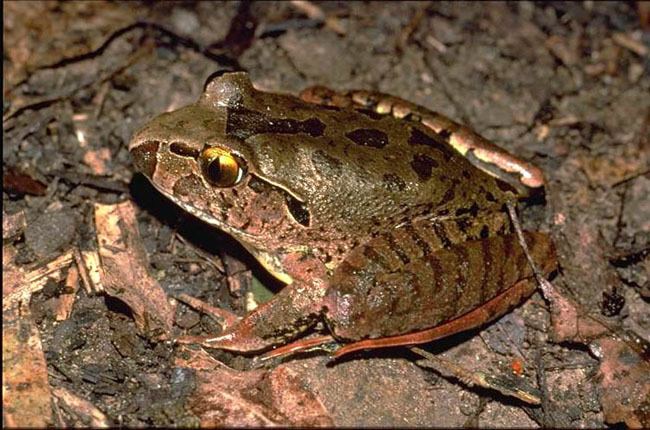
point(184, 150)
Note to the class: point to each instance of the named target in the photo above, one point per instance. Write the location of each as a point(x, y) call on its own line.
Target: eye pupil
point(214, 170)
point(221, 168)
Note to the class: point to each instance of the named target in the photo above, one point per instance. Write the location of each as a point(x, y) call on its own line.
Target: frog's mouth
point(238, 234)
point(269, 261)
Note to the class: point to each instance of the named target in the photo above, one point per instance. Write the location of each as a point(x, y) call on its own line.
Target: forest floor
point(562, 85)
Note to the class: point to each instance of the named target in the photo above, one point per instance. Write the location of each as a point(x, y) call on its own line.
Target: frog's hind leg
point(453, 289)
point(482, 153)
point(479, 316)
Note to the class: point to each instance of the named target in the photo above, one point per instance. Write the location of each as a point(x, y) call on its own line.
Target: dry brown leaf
point(13, 225)
point(225, 397)
point(83, 408)
point(18, 182)
point(98, 161)
point(125, 272)
point(26, 398)
point(625, 383)
point(625, 374)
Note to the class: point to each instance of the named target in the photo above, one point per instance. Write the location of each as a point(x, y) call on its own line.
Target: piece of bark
point(66, 300)
point(18, 285)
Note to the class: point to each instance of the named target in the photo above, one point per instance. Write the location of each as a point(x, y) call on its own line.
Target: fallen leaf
point(226, 397)
point(625, 372)
point(17, 182)
point(26, 397)
point(86, 411)
point(124, 269)
point(98, 161)
point(625, 383)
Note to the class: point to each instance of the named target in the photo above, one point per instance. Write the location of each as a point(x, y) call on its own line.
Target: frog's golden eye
point(221, 168)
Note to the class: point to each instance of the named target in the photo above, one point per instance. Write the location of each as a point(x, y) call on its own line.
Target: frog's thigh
point(372, 299)
point(489, 311)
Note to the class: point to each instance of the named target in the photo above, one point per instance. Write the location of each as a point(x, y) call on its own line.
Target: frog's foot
point(238, 339)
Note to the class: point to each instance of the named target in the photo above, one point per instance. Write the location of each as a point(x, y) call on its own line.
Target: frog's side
point(377, 223)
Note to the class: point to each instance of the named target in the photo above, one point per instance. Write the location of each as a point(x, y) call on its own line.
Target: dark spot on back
point(506, 187)
point(368, 137)
point(144, 157)
point(417, 137)
point(472, 210)
point(449, 196)
point(490, 197)
point(244, 123)
point(394, 182)
point(370, 113)
point(485, 232)
point(313, 127)
point(464, 223)
point(183, 149)
point(423, 165)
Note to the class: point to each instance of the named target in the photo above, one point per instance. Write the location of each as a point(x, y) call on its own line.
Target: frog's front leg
point(289, 313)
point(482, 153)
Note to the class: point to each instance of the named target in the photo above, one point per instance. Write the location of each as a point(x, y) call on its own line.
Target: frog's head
point(193, 157)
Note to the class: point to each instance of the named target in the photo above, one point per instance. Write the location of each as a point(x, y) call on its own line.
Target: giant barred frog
point(385, 220)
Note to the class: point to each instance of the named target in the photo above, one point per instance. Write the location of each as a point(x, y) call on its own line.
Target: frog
point(384, 220)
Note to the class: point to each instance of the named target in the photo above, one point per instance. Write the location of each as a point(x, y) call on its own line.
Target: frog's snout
point(144, 155)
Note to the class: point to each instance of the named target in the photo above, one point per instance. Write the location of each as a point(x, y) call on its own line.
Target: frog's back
point(357, 166)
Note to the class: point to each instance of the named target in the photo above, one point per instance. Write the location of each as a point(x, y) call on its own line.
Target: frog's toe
point(233, 340)
point(238, 341)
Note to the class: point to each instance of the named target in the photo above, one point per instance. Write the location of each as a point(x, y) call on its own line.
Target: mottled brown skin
point(378, 224)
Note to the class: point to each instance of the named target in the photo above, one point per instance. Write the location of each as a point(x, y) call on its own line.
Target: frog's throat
point(269, 261)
